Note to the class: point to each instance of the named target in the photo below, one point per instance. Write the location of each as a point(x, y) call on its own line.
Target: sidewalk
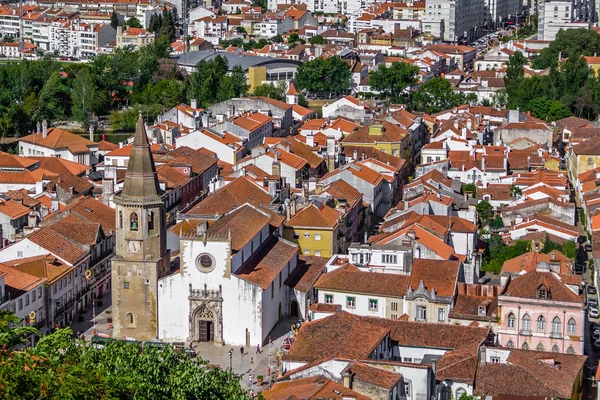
point(86, 327)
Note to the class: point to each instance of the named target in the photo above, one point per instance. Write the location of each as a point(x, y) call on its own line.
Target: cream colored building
point(135, 37)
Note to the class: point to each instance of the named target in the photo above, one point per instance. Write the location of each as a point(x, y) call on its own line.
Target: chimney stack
point(92, 133)
point(39, 127)
point(44, 129)
point(194, 104)
point(310, 140)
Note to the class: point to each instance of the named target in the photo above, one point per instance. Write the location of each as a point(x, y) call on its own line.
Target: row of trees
point(570, 87)
point(60, 367)
point(332, 76)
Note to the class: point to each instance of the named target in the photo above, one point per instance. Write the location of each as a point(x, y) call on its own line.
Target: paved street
point(250, 364)
point(102, 313)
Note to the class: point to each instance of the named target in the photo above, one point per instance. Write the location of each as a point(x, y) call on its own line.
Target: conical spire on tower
point(141, 180)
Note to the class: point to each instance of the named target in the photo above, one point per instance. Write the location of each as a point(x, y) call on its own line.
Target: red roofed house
point(135, 37)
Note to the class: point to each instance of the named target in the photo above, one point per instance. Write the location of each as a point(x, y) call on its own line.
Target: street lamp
point(230, 360)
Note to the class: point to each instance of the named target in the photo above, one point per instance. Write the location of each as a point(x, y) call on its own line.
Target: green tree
point(277, 39)
point(484, 211)
point(497, 223)
point(321, 76)
point(515, 191)
point(11, 331)
point(513, 78)
point(568, 43)
point(317, 39)
point(270, 90)
point(239, 82)
point(114, 20)
point(549, 245)
point(84, 97)
point(293, 38)
point(133, 22)
point(396, 81)
point(436, 95)
point(58, 367)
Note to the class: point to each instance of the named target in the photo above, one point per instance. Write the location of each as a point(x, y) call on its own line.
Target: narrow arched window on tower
point(150, 220)
point(133, 222)
point(121, 219)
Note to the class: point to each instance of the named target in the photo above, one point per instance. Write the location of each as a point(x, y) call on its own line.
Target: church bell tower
point(141, 255)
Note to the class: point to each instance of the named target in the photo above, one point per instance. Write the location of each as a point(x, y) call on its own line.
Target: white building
point(230, 287)
point(79, 40)
point(555, 15)
point(455, 19)
point(56, 142)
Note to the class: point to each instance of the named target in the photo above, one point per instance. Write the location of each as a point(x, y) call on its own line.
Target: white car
point(593, 312)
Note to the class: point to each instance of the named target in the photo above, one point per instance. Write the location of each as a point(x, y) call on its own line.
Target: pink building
point(542, 310)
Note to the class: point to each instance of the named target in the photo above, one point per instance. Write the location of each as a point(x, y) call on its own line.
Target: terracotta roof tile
point(350, 279)
point(243, 223)
point(18, 282)
point(232, 195)
point(340, 335)
point(373, 375)
point(437, 275)
point(531, 374)
point(13, 209)
point(60, 139)
point(94, 210)
point(58, 245)
point(46, 267)
point(526, 286)
point(267, 262)
point(527, 262)
point(306, 273)
point(315, 216)
point(316, 387)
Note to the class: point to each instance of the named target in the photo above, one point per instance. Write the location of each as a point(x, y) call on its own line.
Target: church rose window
point(205, 263)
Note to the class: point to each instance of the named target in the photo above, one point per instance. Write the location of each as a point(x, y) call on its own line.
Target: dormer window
point(481, 311)
point(543, 292)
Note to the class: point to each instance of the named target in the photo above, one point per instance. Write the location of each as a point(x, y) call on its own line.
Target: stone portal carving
point(206, 306)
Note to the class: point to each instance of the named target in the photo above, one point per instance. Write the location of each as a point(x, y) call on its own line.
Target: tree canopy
point(569, 89)
point(568, 43)
point(437, 94)
point(395, 81)
point(59, 367)
point(324, 76)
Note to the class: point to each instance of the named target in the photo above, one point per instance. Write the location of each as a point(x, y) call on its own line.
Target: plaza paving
point(247, 367)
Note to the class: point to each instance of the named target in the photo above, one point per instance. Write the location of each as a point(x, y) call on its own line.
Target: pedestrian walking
point(258, 349)
point(191, 343)
point(242, 351)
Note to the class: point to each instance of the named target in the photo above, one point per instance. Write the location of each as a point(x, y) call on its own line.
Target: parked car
point(592, 301)
point(596, 344)
point(593, 312)
point(594, 326)
point(591, 290)
point(588, 247)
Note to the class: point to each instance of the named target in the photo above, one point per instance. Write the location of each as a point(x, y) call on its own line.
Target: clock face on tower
point(133, 246)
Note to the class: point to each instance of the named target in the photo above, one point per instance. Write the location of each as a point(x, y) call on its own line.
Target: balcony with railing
point(63, 307)
point(556, 335)
point(525, 332)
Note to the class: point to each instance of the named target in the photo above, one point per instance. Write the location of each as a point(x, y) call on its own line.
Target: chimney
point(230, 111)
point(120, 145)
point(411, 234)
point(347, 377)
point(482, 356)
point(310, 140)
point(464, 132)
point(39, 127)
point(54, 203)
point(32, 220)
point(293, 203)
point(92, 133)
point(312, 185)
point(355, 155)
point(272, 187)
point(276, 167)
point(205, 120)
point(44, 128)
point(288, 210)
point(194, 103)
